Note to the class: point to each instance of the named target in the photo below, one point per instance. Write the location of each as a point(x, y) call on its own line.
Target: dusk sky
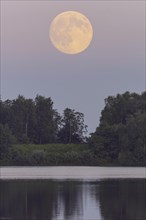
point(113, 63)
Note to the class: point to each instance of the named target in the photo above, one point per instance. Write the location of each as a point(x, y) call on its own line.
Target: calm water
point(70, 172)
point(72, 199)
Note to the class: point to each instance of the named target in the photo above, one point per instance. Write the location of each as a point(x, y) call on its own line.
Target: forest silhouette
point(34, 133)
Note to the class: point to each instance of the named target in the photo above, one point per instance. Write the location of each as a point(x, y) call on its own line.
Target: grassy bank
point(49, 155)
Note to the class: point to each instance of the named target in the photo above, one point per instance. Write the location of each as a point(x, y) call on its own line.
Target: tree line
point(36, 121)
point(119, 139)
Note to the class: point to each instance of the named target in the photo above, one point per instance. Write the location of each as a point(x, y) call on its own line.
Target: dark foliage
point(121, 136)
point(36, 121)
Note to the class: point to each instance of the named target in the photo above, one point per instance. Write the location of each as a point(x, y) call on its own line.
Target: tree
point(121, 134)
point(47, 119)
point(22, 121)
point(5, 111)
point(118, 108)
point(6, 139)
point(72, 128)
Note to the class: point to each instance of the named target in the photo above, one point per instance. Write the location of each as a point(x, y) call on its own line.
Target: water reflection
point(123, 199)
point(73, 200)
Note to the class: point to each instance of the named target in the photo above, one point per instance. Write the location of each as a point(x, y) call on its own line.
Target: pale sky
point(113, 63)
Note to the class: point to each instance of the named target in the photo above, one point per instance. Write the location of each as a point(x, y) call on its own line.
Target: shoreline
point(72, 172)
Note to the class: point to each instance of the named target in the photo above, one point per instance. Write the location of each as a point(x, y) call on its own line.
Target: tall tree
point(46, 120)
point(22, 120)
point(6, 139)
point(73, 128)
point(121, 134)
point(18, 121)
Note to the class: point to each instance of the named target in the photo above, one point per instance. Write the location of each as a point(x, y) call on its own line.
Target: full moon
point(71, 32)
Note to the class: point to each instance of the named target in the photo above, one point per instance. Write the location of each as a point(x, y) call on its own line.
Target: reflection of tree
point(123, 199)
point(28, 199)
point(39, 200)
point(47, 200)
point(71, 196)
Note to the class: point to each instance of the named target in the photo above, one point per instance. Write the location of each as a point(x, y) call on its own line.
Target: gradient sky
point(113, 63)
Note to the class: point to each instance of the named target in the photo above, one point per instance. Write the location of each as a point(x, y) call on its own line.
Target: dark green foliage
point(36, 121)
point(45, 123)
point(6, 140)
point(121, 136)
point(20, 115)
point(72, 127)
point(50, 155)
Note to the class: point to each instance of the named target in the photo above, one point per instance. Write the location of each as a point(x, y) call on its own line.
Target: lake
point(73, 193)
